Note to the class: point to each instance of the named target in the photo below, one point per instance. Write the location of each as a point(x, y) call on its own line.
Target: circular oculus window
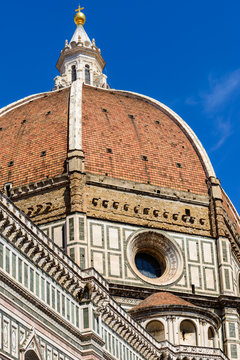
point(155, 257)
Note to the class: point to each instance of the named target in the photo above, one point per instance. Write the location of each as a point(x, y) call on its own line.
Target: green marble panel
point(7, 260)
point(85, 318)
point(37, 284)
point(71, 229)
point(43, 288)
point(63, 305)
point(224, 251)
point(48, 293)
point(26, 275)
point(234, 354)
point(1, 255)
point(77, 316)
point(82, 258)
point(72, 312)
point(232, 330)
point(14, 270)
point(68, 309)
point(31, 279)
point(53, 297)
point(227, 278)
point(20, 270)
point(81, 229)
point(58, 302)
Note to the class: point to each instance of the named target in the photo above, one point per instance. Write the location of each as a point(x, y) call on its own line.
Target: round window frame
point(152, 241)
point(157, 257)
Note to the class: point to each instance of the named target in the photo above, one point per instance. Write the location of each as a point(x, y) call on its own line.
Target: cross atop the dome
point(79, 17)
point(79, 8)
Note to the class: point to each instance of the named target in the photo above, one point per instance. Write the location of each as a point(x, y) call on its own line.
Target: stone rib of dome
point(231, 211)
point(28, 130)
point(146, 145)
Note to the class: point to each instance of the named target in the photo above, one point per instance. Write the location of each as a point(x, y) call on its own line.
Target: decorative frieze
point(147, 211)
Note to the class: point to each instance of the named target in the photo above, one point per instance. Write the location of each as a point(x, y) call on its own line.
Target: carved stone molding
point(33, 188)
point(147, 211)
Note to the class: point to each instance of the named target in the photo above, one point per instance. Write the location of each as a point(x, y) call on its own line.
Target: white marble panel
point(113, 234)
point(207, 253)
point(6, 337)
point(195, 276)
point(57, 236)
point(98, 262)
point(97, 239)
point(210, 281)
point(114, 265)
point(193, 254)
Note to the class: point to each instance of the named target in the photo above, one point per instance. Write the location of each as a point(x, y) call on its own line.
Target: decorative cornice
point(103, 204)
point(146, 189)
point(92, 52)
point(173, 310)
point(38, 186)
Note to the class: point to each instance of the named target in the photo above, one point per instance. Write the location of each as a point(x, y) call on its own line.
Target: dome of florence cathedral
point(120, 226)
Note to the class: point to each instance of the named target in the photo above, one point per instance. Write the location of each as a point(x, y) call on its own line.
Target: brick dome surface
point(123, 137)
point(161, 299)
point(146, 144)
point(29, 129)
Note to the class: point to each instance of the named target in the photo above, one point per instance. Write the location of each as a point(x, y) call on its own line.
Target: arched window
point(156, 329)
point(211, 337)
point(87, 75)
point(31, 355)
point(188, 334)
point(74, 73)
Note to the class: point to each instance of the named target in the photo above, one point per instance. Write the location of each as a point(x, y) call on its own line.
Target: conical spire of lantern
point(80, 59)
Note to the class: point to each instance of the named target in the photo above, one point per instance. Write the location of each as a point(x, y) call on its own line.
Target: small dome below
point(161, 299)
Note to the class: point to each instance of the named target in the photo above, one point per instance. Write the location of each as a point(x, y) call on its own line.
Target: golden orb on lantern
point(79, 17)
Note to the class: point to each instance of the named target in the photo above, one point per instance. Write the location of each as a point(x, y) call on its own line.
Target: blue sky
point(185, 54)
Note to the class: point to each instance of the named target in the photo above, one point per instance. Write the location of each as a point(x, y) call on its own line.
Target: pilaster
point(75, 116)
point(231, 330)
point(216, 206)
point(76, 173)
point(170, 334)
point(225, 266)
point(76, 220)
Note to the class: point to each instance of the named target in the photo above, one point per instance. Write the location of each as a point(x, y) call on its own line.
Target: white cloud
point(214, 102)
point(221, 91)
point(224, 130)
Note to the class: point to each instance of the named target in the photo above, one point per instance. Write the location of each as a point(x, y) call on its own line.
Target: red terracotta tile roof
point(123, 137)
point(161, 299)
point(26, 131)
point(146, 145)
